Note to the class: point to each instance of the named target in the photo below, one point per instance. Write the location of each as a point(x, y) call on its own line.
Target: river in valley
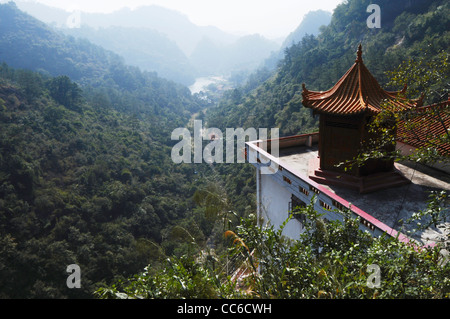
point(202, 83)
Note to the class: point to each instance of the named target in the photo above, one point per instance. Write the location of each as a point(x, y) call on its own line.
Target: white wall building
point(379, 212)
point(381, 194)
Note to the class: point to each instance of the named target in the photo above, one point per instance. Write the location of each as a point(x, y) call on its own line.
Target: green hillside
point(330, 261)
point(410, 30)
point(85, 170)
point(86, 175)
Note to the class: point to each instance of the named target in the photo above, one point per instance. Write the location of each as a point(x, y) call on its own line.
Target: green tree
point(65, 92)
point(31, 83)
point(332, 260)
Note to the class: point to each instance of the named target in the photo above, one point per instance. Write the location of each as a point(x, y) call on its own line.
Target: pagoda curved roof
point(355, 93)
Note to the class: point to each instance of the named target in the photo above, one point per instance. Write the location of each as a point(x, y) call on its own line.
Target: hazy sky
point(271, 18)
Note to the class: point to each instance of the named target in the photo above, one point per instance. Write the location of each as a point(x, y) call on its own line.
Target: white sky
point(271, 18)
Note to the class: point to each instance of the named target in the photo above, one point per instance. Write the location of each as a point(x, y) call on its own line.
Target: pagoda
point(346, 111)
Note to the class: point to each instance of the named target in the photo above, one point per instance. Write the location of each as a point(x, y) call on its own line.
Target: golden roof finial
point(359, 53)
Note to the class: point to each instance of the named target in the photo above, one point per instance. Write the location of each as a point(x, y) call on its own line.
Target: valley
point(86, 116)
point(219, 83)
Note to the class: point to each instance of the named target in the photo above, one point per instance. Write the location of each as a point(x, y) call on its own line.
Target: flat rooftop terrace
point(391, 206)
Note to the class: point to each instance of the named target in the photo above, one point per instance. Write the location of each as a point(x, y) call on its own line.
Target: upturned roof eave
point(356, 86)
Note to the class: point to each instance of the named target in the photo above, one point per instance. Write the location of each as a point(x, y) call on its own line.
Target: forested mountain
point(80, 183)
point(85, 141)
point(162, 40)
point(310, 25)
point(319, 266)
point(85, 170)
point(127, 34)
point(30, 44)
point(409, 30)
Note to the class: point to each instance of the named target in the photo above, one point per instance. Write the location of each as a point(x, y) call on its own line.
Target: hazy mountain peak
point(311, 23)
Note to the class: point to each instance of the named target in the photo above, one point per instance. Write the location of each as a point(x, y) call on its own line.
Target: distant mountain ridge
point(147, 49)
point(28, 43)
point(161, 40)
point(175, 25)
point(310, 25)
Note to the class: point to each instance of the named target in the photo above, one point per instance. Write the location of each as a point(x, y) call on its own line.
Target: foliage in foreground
point(332, 260)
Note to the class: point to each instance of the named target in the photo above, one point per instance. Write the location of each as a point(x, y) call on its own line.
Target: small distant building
point(381, 194)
